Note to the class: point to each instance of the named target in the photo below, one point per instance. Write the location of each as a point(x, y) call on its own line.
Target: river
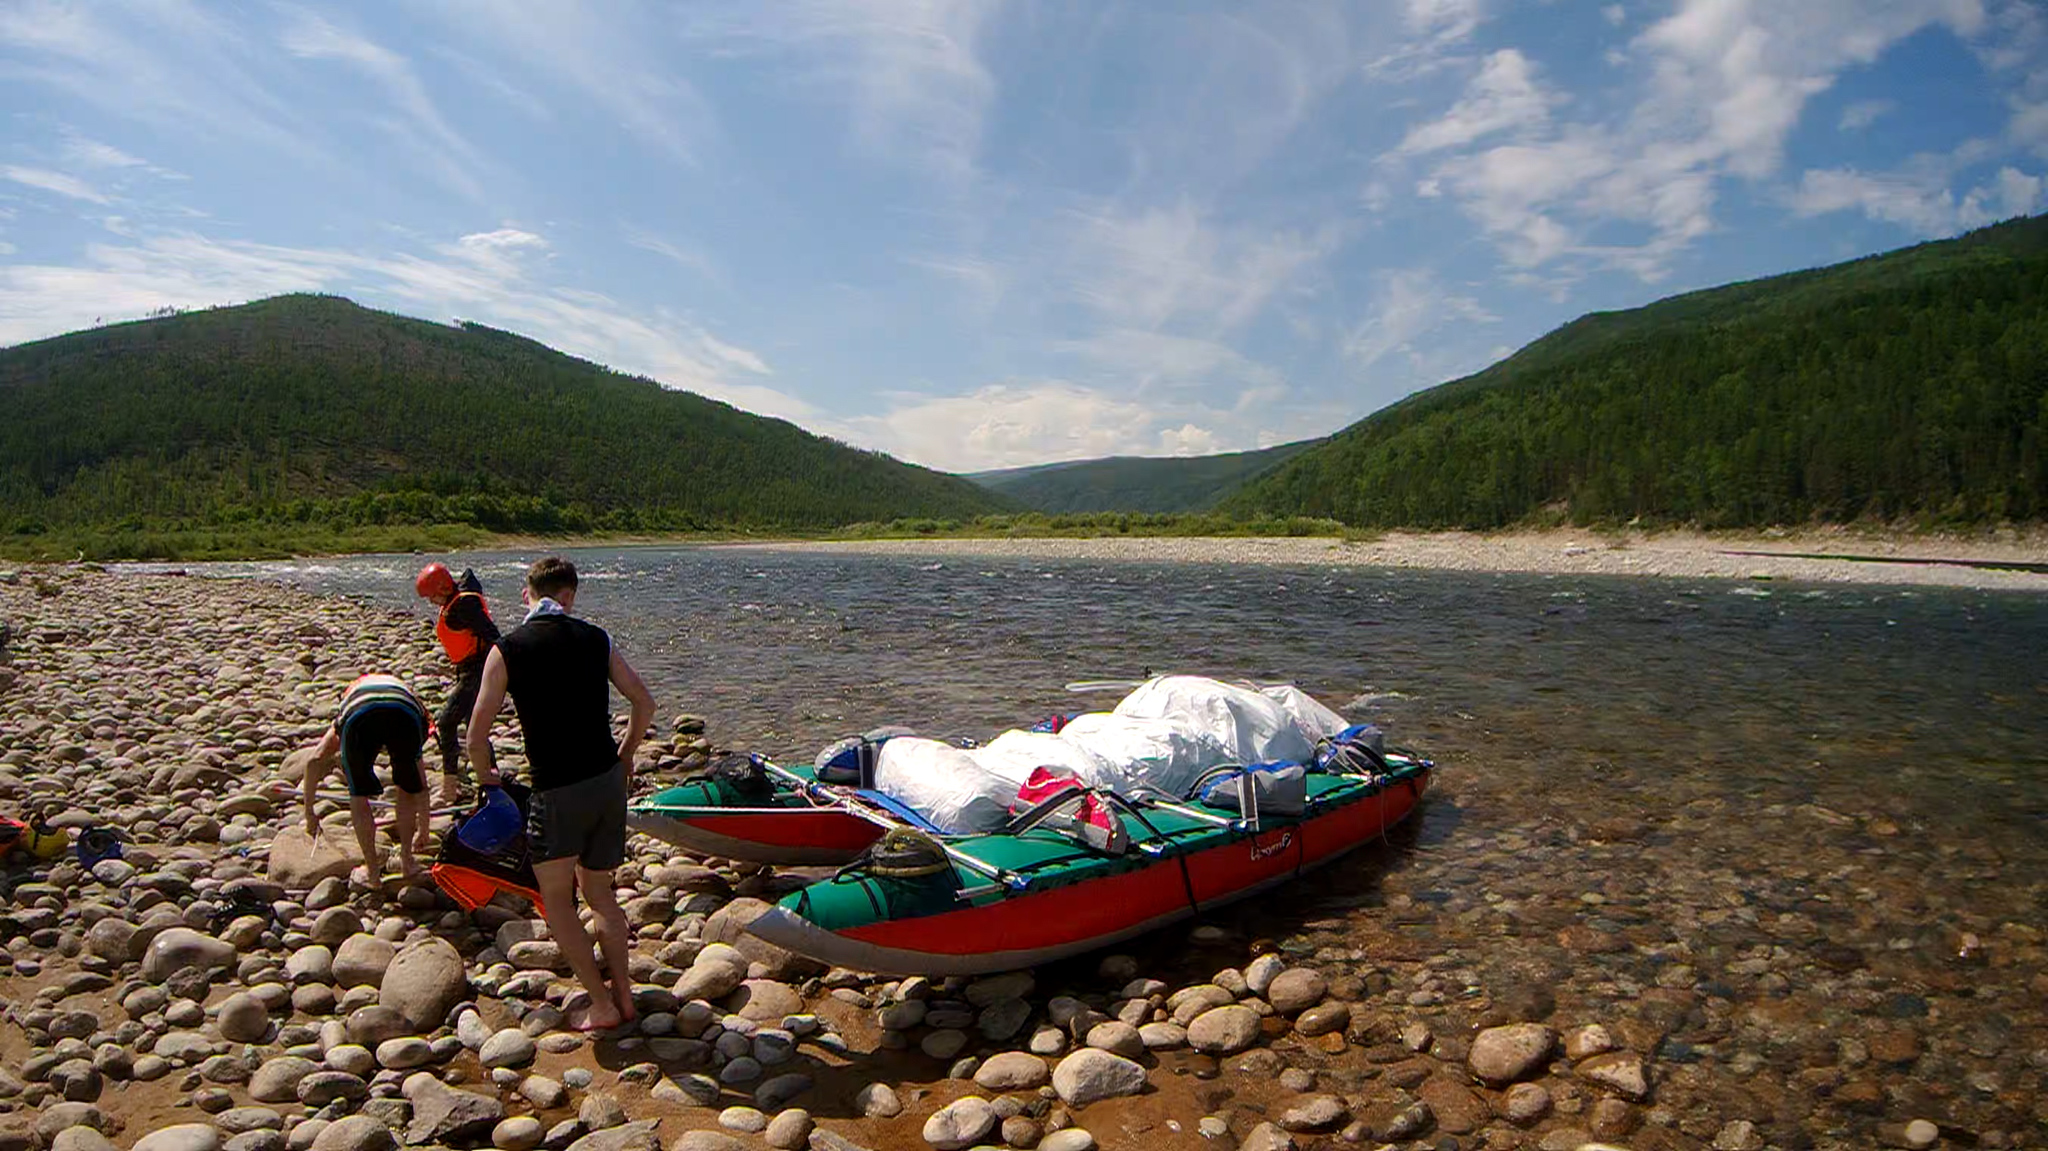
point(1791, 837)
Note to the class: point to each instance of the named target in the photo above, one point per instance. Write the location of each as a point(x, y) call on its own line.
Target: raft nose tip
point(778, 925)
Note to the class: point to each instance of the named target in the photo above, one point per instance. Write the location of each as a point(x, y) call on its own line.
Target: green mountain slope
point(310, 409)
point(1135, 483)
point(1907, 385)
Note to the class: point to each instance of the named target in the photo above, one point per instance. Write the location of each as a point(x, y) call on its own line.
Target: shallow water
point(1769, 827)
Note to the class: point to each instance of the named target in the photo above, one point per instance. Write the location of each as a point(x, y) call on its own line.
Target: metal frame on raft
point(1001, 879)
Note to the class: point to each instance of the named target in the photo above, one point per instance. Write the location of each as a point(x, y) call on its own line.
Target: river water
point(1790, 841)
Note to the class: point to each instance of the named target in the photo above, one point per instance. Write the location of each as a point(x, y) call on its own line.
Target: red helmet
point(434, 580)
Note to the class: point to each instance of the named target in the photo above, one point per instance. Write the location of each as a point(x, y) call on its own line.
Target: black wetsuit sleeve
point(467, 614)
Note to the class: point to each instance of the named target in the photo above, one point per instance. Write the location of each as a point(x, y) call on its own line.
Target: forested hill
point(1135, 483)
point(1911, 385)
point(312, 409)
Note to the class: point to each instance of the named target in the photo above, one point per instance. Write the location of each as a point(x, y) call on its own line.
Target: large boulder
point(443, 1115)
point(424, 983)
point(729, 925)
point(299, 861)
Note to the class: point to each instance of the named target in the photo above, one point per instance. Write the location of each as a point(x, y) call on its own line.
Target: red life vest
point(461, 646)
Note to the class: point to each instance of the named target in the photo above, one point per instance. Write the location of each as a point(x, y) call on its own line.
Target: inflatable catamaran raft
point(1047, 843)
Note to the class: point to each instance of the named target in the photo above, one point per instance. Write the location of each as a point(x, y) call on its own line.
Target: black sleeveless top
point(558, 670)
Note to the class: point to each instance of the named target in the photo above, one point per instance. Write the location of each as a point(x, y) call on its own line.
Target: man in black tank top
point(559, 671)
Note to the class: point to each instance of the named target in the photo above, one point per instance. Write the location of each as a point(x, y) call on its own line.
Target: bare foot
point(596, 1017)
point(623, 997)
point(362, 877)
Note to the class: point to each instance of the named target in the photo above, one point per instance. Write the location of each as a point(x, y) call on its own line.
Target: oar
point(852, 806)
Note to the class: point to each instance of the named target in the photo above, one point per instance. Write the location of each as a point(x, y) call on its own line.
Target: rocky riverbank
point(205, 994)
point(1779, 555)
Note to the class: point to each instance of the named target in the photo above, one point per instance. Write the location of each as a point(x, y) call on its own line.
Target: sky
point(990, 233)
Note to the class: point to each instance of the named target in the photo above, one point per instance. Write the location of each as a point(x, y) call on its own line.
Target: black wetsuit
point(465, 614)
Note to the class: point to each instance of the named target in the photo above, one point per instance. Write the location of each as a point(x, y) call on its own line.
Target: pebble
point(790, 1130)
point(878, 1101)
point(1068, 1139)
point(519, 1133)
point(960, 1124)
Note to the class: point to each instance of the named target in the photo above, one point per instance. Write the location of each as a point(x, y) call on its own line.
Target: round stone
point(1295, 990)
point(961, 1123)
point(1091, 1074)
point(181, 1137)
point(1507, 1054)
point(519, 1133)
point(1224, 1030)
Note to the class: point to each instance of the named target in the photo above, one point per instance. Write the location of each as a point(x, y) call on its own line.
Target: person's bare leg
point(410, 829)
point(557, 878)
point(613, 934)
point(365, 824)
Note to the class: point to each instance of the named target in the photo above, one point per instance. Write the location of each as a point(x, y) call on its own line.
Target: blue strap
point(899, 809)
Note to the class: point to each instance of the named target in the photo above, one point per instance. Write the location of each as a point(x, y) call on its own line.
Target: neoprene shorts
point(394, 731)
point(586, 820)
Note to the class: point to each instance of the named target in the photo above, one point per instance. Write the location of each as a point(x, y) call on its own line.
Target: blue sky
point(984, 234)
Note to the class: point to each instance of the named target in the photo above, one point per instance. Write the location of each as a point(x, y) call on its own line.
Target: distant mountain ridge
point(1135, 483)
point(1908, 385)
point(313, 409)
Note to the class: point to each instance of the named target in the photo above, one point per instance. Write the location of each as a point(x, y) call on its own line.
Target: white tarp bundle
point(1165, 735)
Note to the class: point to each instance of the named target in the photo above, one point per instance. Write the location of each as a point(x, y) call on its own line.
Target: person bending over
point(467, 633)
point(559, 671)
point(379, 714)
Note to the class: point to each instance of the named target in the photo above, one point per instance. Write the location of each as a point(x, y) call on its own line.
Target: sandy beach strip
point(1677, 554)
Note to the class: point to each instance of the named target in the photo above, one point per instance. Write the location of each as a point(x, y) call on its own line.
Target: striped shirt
point(374, 692)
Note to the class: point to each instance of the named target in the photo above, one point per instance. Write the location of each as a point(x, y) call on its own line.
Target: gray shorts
point(585, 820)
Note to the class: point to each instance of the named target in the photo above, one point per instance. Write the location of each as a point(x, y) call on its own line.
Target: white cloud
point(1724, 83)
point(424, 131)
point(1157, 266)
point(907, 72)
point(168, 63)
point(94, 154)
point(1443, 19)
point(1918, 198)
point(607, 51)
point(1615, 14)
point(1435, 29)
point(1504, 95)
point(2029, 125)
point(686, 257)
point(1142, 360)
point(1863, 113)
point(1408, 305)
point(1045, 421)
point(485, 276)
point(57, 182)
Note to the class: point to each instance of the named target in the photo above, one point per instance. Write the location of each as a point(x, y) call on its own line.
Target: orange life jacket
point(461, 646)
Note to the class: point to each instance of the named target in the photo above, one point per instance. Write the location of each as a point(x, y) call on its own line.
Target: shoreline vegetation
point(2005, 558)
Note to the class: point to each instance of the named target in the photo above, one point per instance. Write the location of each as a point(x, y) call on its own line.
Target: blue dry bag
point(492, 825)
